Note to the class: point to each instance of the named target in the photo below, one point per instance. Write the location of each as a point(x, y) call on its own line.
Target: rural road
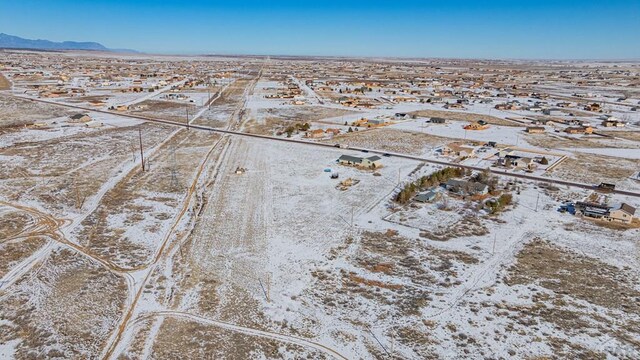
point(373, 151)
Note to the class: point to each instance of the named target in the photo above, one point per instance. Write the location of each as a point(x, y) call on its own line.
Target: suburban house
point(314, 134)
point(457, 149)
point(462, 187)
point(552, 112)
point(592, 210)
point(535, 129)
point(525, 163)
point(80, 118)
point(593, 107)
point(621, 213)
point(370, 162)
point(579, 130)
point(476, 126)
point(613, 123)
point(377, 122)
point(541, 122)
point(429, 196)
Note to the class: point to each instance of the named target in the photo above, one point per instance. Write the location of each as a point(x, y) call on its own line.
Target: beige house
point(372, 162)
point(623, 213)
point(79, 118)
point(535, 129)
point(315, 134)
point(457, 149)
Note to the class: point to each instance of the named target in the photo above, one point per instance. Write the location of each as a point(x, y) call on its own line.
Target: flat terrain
point(231, 246)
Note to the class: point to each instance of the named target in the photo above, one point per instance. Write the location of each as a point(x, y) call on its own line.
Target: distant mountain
point(15, 42)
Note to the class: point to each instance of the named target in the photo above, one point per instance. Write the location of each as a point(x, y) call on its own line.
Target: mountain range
point(16, 42)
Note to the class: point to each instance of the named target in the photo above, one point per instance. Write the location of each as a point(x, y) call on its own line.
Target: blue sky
point(587, 29)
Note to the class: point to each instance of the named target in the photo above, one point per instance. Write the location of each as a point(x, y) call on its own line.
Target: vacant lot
point(66, 309)
point(573, 298)
point(62, 172)
point(558, 141)
point(397, 275)
point(273, 120)
point(464, 116)
point(185, 339)
point(18, 112)
point(168, 110)
point(132, 218)
point(593, 169)
point(220, 112)
point(391, 140)
point(304, 113)
point(629, 135)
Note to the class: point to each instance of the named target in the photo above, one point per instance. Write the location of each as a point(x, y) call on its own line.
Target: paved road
point(372, 151)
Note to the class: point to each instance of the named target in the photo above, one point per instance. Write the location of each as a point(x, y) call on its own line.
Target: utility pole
point(537, 199)
point(75, 185)
point(187, 108)
point(268, 287)
point(141, 152)
point(352, 210)
point(493, 252)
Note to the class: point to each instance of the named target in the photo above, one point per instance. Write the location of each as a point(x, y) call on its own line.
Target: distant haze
point(543, 29)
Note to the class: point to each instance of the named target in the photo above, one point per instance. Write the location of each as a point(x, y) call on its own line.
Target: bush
point(497, 205)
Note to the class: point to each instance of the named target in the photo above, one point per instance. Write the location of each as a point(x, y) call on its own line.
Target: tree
point(544, 161)
point(350, 130)
point(289, 130)
point(305, 126)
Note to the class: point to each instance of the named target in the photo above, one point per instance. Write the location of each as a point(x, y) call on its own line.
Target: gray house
point(369, 162)
point(462, 187)
point(429, 196)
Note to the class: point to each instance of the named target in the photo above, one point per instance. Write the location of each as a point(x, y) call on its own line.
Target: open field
point(57, 312)
point(231, 246)
point(19, 112)
point(587, 167)
point(391, 140)
point(60, 186)
point(144, 201)
point(464, 116)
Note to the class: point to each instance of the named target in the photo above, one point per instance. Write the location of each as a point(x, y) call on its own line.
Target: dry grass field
point(464, 116)
point(593, 169)
point(391, 140)
point(57, 311)
point(20, 112)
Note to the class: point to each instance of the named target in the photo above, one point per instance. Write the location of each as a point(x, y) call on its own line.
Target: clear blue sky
point(587, 29)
